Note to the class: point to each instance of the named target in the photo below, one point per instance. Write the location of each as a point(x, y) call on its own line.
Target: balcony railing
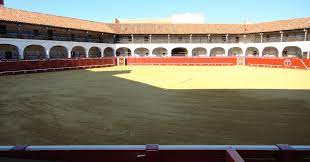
point(154, 39)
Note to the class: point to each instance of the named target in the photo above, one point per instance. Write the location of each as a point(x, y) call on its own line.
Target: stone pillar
point(169, 54)
point(280, 52)
point(69, 54)
point(168, 38)
point(21, 53)
point(131, 38)
point(87, 53)
point(47, 53)
point(150, 38)
point(208, 52)
point(190, 38)
point(261, 37)
point(281, 32)
point(244, 38)
point(226, 38)
point(190, 52)
point(226, 51)
point(102, 52)
point(306, 34)
point(209, 40)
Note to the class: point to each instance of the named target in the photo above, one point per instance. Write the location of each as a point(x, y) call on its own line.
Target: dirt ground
point(152, 104)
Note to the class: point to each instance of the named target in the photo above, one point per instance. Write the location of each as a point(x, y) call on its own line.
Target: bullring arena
point(80, 90)
point(70, 81)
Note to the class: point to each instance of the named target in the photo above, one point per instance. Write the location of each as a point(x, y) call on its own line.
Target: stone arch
point(252, 51)
point(217, 51)
point(78, 52)
point(199, 51)
point(34, 52)
point(58, 52)
point(270, 52)
point(179, 51)
point(123, 51)
point(160, 51)
point(292, 51)
point(9, 52)
point(94, 52)
point(235, 51)
point(142, 52)
point(108, 52)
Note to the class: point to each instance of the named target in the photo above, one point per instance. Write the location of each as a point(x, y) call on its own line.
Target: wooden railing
point(24, 66)
point(16, 67)
point(202, 61)
point(153, 152)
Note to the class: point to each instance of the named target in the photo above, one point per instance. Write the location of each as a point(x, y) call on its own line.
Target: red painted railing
point(218, 61)
point(15, 67)
point(294, 63)
point(52, 65)
point(156, 153)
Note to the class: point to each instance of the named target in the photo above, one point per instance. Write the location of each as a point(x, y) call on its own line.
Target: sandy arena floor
point(153, 104)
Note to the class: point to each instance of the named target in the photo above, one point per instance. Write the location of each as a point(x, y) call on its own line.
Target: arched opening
point(108, 52)
point(123, 52)
point(58, 52)
point(179, 52)
point(252, 51)
point(94, 52)
point(199, 51)
point(78, 52)
point(142, 52)
point(292, 51)
point(159, 52)
point(218, 51)
point(235, 51)
point(8, 52)
point(270, 52)
point(34, 52)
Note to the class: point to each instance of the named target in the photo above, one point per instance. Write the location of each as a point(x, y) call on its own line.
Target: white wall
point(304, 45)
point(22, 43)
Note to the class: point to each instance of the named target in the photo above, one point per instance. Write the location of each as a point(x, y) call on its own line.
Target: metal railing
point(154, 152)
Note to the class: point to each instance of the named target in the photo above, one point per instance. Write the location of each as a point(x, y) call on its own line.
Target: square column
point(306, 35)
point(281, 32)
point(21, 54)
point(168, 38)
point(47, 53)
point(227, 40)
point(261, 37)
point(69, 54)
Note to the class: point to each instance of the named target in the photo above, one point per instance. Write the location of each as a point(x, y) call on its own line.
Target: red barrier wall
point(221, 61)
point(294, 63)
point(15, 66)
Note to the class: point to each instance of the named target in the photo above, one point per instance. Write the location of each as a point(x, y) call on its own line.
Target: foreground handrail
point(154, 153)
point(160, 147)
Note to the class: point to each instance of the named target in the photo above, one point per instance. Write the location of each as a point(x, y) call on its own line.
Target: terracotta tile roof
point(177, 28)
point(290, 24)
point(14, 15)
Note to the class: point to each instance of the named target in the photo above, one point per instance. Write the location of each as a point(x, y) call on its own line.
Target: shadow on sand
point(84, 108)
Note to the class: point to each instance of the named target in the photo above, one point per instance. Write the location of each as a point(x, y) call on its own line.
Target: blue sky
point(215, 11)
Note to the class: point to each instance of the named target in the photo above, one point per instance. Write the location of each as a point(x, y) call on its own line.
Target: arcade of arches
point(37, 52)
